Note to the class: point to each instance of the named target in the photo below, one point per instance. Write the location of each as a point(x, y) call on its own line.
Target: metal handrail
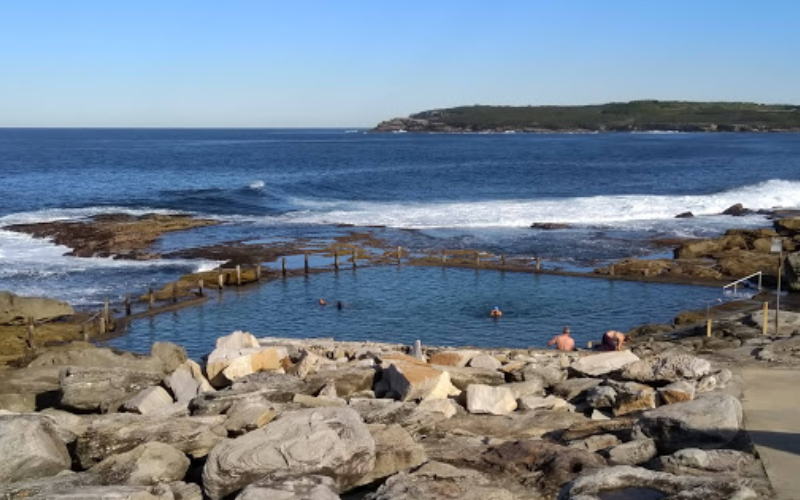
point(735, 284)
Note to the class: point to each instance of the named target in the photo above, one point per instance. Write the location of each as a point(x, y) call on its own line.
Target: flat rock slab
point(395, 451)
point(17, 309)
point(330, 441)
point(150, 400)
point(667, 368)
point(492, 400)
point(596, 365)
point(147, 464)
point(575, 388)
point(291, 488)
point(102, 389)
point(436, 480)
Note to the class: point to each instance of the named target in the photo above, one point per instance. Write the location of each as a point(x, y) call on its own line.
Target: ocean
point(618, 192)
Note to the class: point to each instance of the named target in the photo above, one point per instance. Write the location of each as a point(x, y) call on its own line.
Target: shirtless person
point(496, 312)
point(612, 341)
point(563, 342)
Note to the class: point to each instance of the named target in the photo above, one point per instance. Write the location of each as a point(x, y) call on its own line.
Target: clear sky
point(296, 63)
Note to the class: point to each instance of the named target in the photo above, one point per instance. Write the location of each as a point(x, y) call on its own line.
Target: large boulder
point(172, 355)
point(632, 397)
point(108, 435)
point(458, 358)
point(633, 452)
point(247, 416)
point(704, 248)
point(150, 400)
point(82, 354)
point(329, 441)
point(16, 309)
point(596, 365)
point(187, 381)
point(395, 451)
point(31, 448)
point(411, 379)
point(47, 487)
point(697, 462)
point(288, 487)
point(115, 492)
point(436, 480)
point(667, 368)
point(712, 420)
point(257, 388)
point(633, 482)
point(793, 271)
point(677, 392)
point(102, 389)
point(485, 361)
point(347, 381)
point(239, 354)
point(463, 377)
point(492, 400)
point(575, 388)
point(788, 225)
point(148, 464)
point(18, 403)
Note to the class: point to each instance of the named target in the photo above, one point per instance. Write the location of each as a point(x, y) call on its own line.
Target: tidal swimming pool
point(439, 306)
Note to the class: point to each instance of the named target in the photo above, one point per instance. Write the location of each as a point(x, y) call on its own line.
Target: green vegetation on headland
point(632, 116)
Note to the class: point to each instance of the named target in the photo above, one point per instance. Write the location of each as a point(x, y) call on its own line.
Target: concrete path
point(772, 417)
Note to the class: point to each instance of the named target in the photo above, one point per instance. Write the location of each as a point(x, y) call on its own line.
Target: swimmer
point(322, 302)
point(563, 342)
point(496, 312)
point(339, 305)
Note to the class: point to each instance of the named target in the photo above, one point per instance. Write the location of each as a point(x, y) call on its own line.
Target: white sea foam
point(615, 211)
point(256, 185)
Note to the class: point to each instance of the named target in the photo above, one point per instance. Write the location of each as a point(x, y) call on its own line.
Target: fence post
point(151, 299)
point(220, 282)
point(127, 305)
point(238, 275)
point(538, 263)
point(355, 258)
point(283, 267)
point(305, 263)
point(477, 259)
point(106, 310)
point(30, 332)
point(85, 332)
point(200, 288)
point(174, 293)
point(399, 254)
point(336, 259)
point(764, 322)
point(444, 257)
point(258, 271)
point(708, 327)
point(503, 260)
point(611, 270)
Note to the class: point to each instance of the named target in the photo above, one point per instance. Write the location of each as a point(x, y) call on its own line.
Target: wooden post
point(238, 275)
point(708, 327)
point(305, 263)
point(201, 288)
point(444, 256)
point(151, 298)
point(589, 344)
point(503, 259)
point(477, 259)
point(336, 259)
point(30, 332)
point(106, 310)
point(764, 322)
point(258, 271)
point(127, 305)
point(399, 254)
point(220, 282)
point(355, 258)
point(778, 295)
point(283, 267)
point(538, 263)
point(85, 332)
point(611, 270)
point(174, 292)
point(101, 324)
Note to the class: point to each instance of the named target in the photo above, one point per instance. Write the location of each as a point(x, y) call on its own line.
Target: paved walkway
point(772, 416)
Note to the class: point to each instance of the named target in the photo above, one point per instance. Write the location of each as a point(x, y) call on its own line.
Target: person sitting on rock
point(563, 342)
point(496, 312)
point(612, 341)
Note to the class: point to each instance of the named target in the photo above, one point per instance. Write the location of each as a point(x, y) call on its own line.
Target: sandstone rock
point(622, 427)
point(599, 415)
point(714, 381)
point(102, 389)
point(348, 381)
point(409, 379)
point(516, 425)
point(601, 396)
point(16, 309)
point(792, 270)
point(633, 452)
point(108, 435)
point(492, 400)
point(485, 361)
point(445, 407)
point(291, 488)
point(540, 403)
point(306, 401)
point(81, 354)
point(186, 491)
point(462, 378)
point(149, 400)
point(458, 358)
point(704, 248)
point(633, 397)
point(736, 210)
point(742, 263)
point(385, 411)
point(574, 389)
point(31, 448)
point(260, 387)
point(183, 385)
point(636, 482)
point(160, 492)
point(47, 487)
point(245, 416)
point(436, 480)
point(697, 462)
point(332, 441)
point(550, 375)
point(240, 354)
point(533, 387)
point(667, 368)
point(148, 464)
point(18, 403)
point(603, 363)
point(787, 225)
point(710, 421)
point(789, 321)
point(595, 443)
point(677, 392)
point(170, 354)
point(395, 451)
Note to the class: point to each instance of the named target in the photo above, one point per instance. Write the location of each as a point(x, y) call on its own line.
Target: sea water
point(439, 306)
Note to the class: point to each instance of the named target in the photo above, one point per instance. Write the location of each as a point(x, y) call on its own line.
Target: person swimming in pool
point(496, 312)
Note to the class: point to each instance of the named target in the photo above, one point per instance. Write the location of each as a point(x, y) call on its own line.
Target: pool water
point(439, 306)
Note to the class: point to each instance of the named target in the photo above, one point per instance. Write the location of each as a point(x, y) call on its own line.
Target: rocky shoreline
point(314, 418)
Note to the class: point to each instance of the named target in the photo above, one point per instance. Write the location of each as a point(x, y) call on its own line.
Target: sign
point(777, 245)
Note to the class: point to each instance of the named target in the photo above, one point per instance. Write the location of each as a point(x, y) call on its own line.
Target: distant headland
point(634, 116)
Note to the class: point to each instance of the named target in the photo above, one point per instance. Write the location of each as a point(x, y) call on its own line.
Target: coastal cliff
point(634, 116)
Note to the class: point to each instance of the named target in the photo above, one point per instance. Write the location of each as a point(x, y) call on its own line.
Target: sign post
point(777, 247)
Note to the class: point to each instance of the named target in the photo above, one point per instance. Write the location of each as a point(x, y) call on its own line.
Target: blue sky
point(206, 63)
